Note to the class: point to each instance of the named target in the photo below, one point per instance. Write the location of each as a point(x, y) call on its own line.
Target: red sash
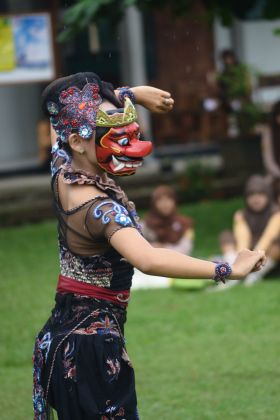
point(68, 285)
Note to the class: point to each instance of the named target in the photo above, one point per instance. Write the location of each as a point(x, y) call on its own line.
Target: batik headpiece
point(81, 112)
point(78, 113)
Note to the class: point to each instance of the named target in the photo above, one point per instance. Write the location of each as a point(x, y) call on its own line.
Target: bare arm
point(164, 262)
point(241, 232)
point(267, 150)
point(271, 232)
point(154, 99)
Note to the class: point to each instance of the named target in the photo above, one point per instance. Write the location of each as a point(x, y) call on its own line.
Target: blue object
point(222, 271)
point(119, 212)
point(85, 131)
point(126, 91)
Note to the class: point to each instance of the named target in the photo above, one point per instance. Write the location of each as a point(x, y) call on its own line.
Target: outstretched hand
point(155, 100)
point(246, 262)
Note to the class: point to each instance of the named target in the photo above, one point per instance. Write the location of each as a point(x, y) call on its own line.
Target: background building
point(175, 54)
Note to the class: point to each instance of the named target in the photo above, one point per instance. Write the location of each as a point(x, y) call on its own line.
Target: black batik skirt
point(81, 368)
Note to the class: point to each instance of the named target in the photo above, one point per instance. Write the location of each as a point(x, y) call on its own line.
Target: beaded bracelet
point(222, 271)
point(126, 91)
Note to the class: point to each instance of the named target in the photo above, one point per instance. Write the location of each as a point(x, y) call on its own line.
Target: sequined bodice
point(109, 270)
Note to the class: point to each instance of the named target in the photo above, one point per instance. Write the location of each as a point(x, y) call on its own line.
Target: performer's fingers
point(263, 257)
point(261, 263)
point(168, 101)
point(165, 105)
point(162, 109)
point(165, 94)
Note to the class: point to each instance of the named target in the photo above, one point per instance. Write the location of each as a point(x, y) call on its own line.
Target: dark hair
point(229, 53)
point(257, 184)
point(53, 90)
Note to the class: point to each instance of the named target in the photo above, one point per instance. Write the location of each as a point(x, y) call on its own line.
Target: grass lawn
point(197, 355)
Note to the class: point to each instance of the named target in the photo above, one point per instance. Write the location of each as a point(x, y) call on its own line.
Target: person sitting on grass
point(258, 225)
point(164, 226)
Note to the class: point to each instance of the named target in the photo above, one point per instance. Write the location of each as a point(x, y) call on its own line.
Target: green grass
point(196, 355)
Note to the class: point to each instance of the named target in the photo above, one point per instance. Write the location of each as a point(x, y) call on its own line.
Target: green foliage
point(236, 81)
point(271, 9)
point(237, 85)
point(78, 16)
point(249, 115)
point(196, 182)
point(277, 31)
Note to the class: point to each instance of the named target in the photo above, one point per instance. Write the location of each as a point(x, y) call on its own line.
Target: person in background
point(44, 144)
point(258, 225)
point(233, 82)
point(270, 141)
point(164, 227)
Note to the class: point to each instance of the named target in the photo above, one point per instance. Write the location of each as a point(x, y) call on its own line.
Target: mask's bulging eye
point(138, 135)
point(123, 142)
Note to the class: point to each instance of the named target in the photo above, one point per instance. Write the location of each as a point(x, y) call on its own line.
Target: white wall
point(222, 40)
point(19, 113)
point(261, 48)
point(255, 44)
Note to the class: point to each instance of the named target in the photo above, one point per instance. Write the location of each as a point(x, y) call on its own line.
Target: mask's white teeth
point(115, 160)
point(117, 164)
point(118, 168)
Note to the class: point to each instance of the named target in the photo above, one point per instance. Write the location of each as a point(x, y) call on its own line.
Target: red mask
point(120, 152)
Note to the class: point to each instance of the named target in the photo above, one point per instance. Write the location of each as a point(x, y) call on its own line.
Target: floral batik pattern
point(113, 412)
point(40, 356)
point(103, 326)
point(81, 351)
point(70, 371)
point(79, 111)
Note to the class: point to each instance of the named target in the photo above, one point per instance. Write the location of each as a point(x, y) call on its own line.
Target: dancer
point(81, 367)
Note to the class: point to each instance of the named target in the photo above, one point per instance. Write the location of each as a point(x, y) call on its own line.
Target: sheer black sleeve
point(105, 217)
